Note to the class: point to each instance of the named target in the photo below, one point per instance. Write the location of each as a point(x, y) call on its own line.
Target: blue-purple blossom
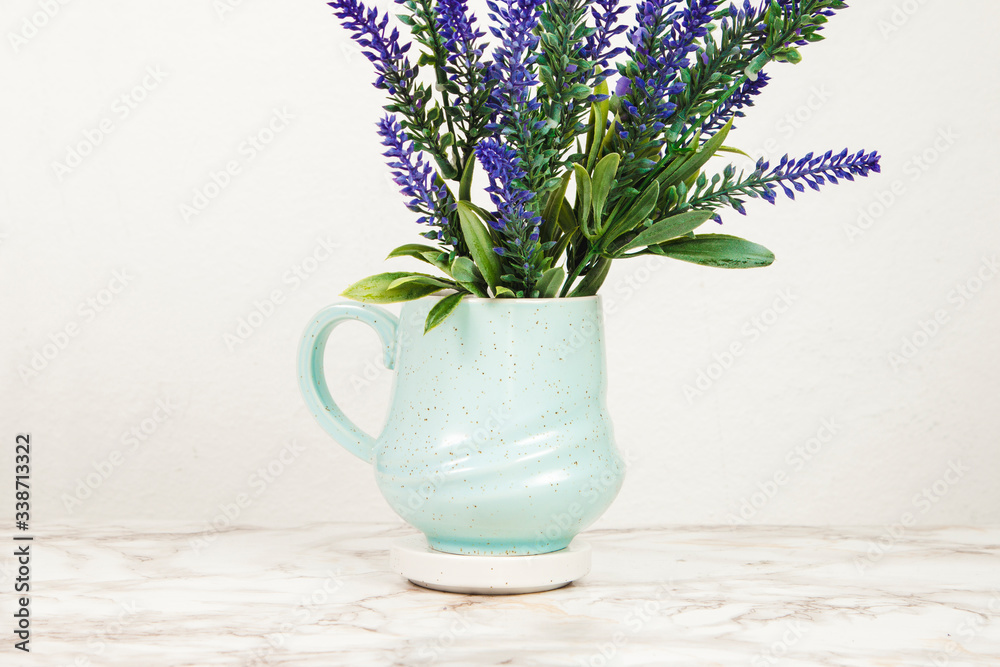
point(664, 36)
point(813, 171)
point(733, 105)
point(415, 178)
point(789, 175)
point(382, 50)
point(511, 101)
point(623, 86)
point(606, 14)
point(457, 28)
point(747, 14)
point(516, 222)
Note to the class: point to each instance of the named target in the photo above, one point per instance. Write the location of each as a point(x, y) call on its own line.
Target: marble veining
point(156, 595)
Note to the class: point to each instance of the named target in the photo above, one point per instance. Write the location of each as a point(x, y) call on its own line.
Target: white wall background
point(913, 79)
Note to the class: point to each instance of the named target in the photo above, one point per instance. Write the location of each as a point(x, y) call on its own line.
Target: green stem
point(576, 273)
point(440, 57)
point(451, 129)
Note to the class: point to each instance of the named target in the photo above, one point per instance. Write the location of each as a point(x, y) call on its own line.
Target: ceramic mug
point(498, 438)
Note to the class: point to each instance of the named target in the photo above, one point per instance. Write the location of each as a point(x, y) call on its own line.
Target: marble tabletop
point(151, 595)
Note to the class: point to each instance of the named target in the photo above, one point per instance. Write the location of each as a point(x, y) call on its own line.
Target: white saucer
point(487, 575)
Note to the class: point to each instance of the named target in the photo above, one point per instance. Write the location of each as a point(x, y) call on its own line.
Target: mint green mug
point(498, 438)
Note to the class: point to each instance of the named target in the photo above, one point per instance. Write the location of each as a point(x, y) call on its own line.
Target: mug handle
point(312, 380)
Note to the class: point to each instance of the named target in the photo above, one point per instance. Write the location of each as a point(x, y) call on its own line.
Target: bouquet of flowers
point(582, 168)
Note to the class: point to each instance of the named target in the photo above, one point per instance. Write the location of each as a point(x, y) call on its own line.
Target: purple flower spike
point(461, 38)
point(517, 223)
point(731, 108)
point(513, 59)
point(664, 36)
point(813, 171)
point(416, 180)
point(606, 15)
point(382, 50)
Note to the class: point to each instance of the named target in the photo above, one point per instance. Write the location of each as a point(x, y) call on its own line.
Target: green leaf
point(564, 243)
point(464, 270)
point(375, 289)
point(503, 292)
point(545, 75)
point(634, 216)
point(594, 278)
point(479, 210)
point(603, 180)
point(550, 282)
point(420, 279)
point(577, 91)
point(417, 250)
point(732, 149)
point(689, 183)
point(567, 219)
point(788, 55)
point(611, 133)
point(599, 122)
point(583, 198)
point(694, 164)
point(717, 250)
point(550, 215)
point(424, 253)
point(666, 178)
point(476, 289)
point(670, 228)
point(447, 169)
point(477, 238)
point(465, 185)
point(442, 309)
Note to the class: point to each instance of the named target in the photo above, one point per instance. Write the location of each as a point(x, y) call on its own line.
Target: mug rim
point(481, 299)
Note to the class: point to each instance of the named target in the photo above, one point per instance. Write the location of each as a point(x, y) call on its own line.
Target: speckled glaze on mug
point(498, 439)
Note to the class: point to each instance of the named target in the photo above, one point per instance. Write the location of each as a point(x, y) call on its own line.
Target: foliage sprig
point(580, 173)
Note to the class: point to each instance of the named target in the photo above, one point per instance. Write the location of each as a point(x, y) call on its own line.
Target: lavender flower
point(465, 71)
point(814, 171)
point(458, 30)
point(416, 180)
point(694, 24)
point(513, 60)
point(516, 222)
point(382, 50)
point(731, 108)
point(661, 42)
point(598, 45)
point(789, 175)
point(748, 15)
